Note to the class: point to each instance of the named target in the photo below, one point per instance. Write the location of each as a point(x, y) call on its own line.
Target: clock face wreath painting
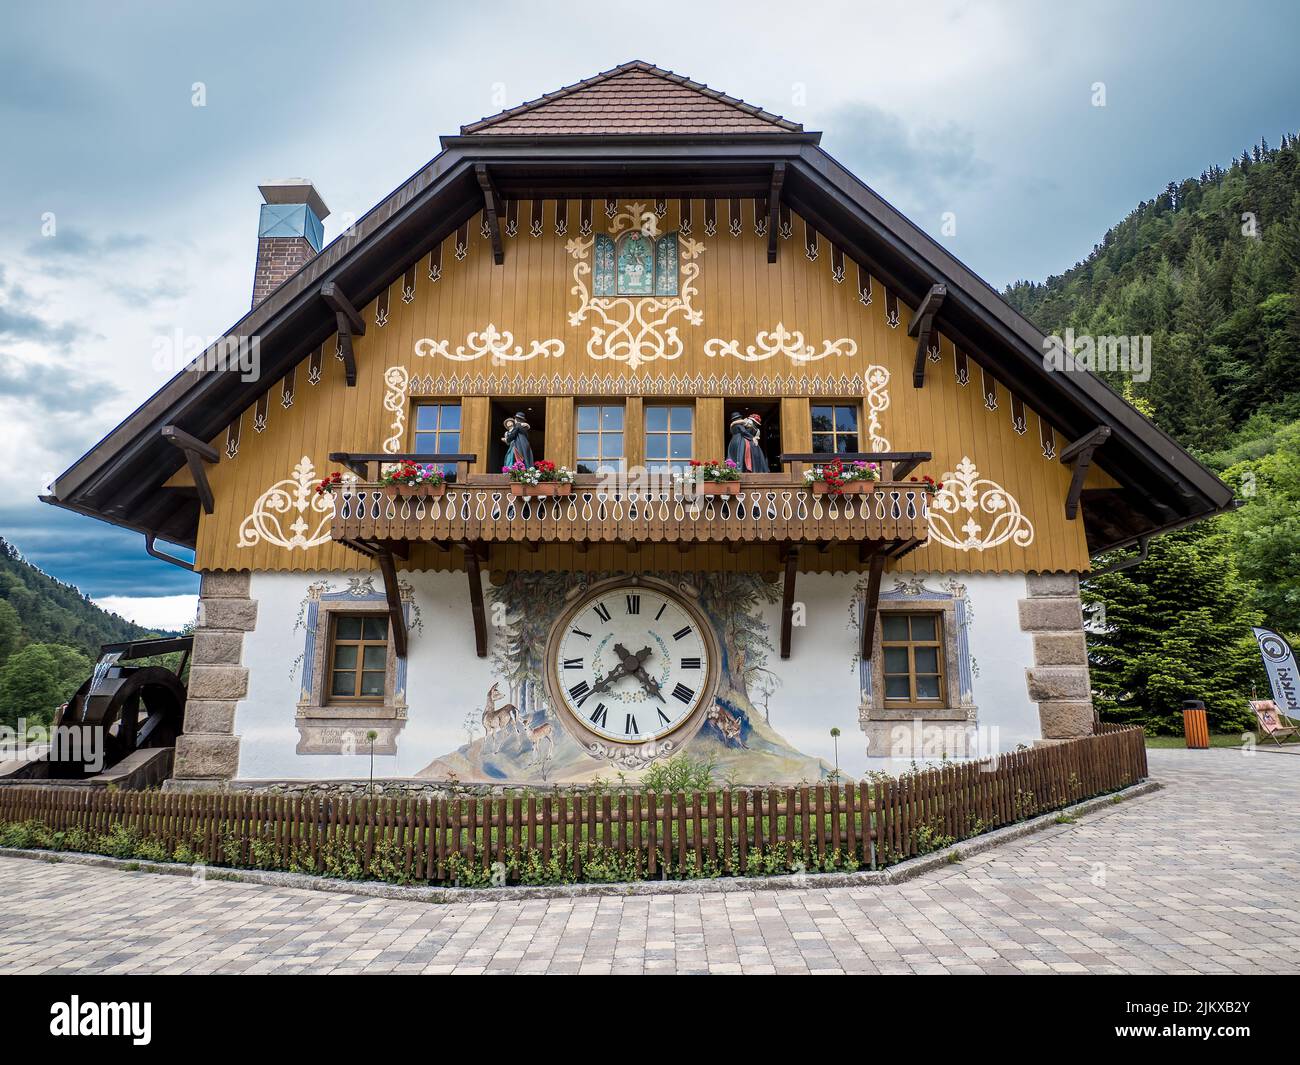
point(606, 677)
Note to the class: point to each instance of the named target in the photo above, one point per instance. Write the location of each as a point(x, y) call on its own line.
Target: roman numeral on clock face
point(683, 693)
point(576, 663)
point(602, 611)
point(630, 726)
point(690, 663)
point(665, 718)
point(681, 634)
point(599, 715)
point(662, 608)
point(580, 691)
point(634, 604)
point(579, 632)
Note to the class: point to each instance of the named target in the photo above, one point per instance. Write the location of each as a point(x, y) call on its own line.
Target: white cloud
point(171, 612)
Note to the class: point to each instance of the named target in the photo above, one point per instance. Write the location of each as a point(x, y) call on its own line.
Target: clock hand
point(649, 684)
point(614, 674)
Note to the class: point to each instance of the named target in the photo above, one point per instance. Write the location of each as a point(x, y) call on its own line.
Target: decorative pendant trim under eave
point(648, 385)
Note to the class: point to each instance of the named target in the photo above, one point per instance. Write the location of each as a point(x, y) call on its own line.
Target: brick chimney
point(289, 232)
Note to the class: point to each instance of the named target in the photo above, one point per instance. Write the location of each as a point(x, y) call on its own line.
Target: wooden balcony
point(769, 508)
point(476, 512)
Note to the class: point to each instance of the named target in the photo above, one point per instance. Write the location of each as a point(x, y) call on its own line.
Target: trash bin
point(1195, 728)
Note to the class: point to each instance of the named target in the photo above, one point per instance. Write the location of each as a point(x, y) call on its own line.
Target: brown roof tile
point(634, 98)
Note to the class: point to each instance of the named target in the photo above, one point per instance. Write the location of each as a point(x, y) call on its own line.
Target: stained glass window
point(602, 282)
point(666, 265)
point(636, 265)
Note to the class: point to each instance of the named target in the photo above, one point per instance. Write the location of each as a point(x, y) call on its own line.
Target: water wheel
point(135, 706)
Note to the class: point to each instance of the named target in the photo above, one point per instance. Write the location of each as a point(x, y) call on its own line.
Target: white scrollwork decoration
point(635, 330)
point(498, 345)
point(396, 382)
point(877, 403)
point(965, 491)
point(781, 341)
point(294, 496)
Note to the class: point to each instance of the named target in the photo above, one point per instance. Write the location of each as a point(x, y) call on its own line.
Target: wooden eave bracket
point(774, 209)
point(476, 598)
point(491, 210)
point(392, 593)
point(198, 456)
point(1079, 454)
point(922, 327)
point(349, 323)
point(872, 607)
point(787, 599)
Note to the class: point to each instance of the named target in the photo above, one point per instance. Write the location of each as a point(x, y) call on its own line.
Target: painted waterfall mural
point(515, 736)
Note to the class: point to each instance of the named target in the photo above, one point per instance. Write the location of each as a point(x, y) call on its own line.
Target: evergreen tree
point(11, 630)
point(1176, 627)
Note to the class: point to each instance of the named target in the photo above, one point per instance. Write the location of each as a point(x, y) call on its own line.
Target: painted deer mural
point(496, 721)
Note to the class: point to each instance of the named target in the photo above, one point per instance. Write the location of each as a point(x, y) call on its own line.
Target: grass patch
point(1227, 739)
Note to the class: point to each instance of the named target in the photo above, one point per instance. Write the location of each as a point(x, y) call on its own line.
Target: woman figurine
point(518, 449)
point(744, 449)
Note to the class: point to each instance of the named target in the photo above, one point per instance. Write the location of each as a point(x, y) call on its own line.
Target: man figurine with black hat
point(518, 449)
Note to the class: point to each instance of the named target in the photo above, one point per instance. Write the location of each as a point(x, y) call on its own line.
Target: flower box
point(542, 488)
point(417, 491)
point(718, 488)
point(848, 488)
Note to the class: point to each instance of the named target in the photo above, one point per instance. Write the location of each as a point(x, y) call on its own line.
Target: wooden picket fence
point(722, 832)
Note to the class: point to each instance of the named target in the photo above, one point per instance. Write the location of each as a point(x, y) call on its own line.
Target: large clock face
point(631, 663)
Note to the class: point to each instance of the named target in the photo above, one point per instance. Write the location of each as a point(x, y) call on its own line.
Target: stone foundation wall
point(209, 749)
point(1058, 681)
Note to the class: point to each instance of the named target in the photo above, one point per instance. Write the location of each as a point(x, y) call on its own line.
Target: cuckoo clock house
point(602, 289)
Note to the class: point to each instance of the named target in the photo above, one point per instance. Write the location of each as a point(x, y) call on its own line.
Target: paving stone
point(1150, 885)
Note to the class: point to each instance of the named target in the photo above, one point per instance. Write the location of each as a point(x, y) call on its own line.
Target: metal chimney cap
point(295, 190)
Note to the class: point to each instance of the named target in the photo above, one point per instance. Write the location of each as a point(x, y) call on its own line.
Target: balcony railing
point(769, 508)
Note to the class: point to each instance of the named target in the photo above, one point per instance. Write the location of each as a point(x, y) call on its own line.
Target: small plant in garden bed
point(541, 478)
point(413, 478)
point(710, 477)
point(840, 477)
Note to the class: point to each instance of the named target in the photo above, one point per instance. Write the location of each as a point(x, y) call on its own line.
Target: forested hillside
point(50, 634)
point(1210, 270)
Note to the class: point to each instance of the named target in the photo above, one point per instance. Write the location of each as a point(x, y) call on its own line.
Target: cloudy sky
point(128, 213)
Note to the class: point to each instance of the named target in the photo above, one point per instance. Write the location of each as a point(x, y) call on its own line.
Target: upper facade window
point(635, 264)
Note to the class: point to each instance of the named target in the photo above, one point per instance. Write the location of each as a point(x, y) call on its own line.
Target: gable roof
point(120, 480)
point(630, 99)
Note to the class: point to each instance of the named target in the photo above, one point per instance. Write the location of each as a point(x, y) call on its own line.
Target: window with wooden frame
point(437, 430)
point(599, 444)
point(835, 428)
point(913, 659)
point(669, 437)
point(358, 658)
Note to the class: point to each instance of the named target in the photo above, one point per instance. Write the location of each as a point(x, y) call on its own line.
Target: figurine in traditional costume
point(744, 448)
point(518, 448)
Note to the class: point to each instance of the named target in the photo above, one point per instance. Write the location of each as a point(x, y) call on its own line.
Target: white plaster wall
point(445, 679)
point(819, 687)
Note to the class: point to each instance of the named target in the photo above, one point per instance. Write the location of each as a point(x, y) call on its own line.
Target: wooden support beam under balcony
point(348, 322)
point(787, 600)
point(476, 598)
point(871, 608)
point(393, 594)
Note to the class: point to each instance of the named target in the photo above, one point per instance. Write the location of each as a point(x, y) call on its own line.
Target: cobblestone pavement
point(1201, 877)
